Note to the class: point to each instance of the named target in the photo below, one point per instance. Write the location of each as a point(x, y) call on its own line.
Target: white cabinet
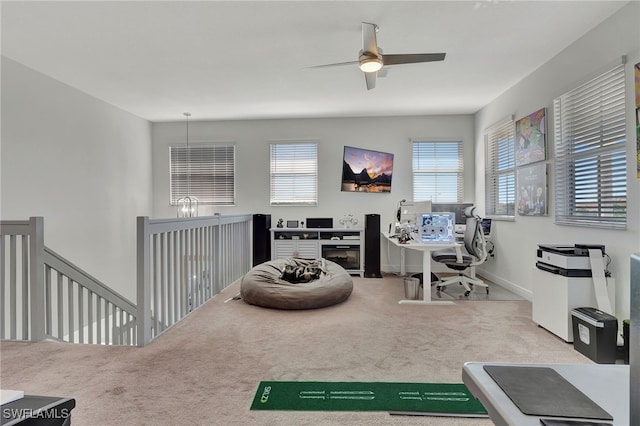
point(295, 248)
point(342, 246)
point(554, 296)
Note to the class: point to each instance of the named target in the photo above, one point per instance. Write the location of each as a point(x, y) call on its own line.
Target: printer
point(568, 261)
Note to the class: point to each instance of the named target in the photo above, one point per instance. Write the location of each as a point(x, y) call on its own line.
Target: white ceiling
point(243, 60)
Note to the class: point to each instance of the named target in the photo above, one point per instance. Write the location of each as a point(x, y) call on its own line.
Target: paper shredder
point(595, 334)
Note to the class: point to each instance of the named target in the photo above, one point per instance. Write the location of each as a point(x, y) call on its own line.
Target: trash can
point(412, 288)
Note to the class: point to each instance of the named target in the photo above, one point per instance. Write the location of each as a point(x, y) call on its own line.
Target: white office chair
point(476, 246)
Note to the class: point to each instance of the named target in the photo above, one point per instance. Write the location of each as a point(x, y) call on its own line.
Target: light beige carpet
point(205, 370)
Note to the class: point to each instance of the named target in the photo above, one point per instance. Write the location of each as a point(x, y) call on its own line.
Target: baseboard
point(514, 288)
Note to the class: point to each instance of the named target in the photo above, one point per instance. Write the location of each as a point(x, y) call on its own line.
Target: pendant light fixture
point(188, 205)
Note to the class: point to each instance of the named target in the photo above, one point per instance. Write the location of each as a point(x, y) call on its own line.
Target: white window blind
point(500, 179)
point(438, 171)
point(294, 173)
point(206, 172)
point(591, 165)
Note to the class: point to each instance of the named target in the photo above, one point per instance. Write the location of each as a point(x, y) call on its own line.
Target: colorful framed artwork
point(531, 138)
point(532, 190)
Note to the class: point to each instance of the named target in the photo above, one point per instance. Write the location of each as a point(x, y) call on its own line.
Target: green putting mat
point(442, 398)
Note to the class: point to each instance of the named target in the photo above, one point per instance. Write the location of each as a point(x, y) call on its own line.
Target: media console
point(342, 246)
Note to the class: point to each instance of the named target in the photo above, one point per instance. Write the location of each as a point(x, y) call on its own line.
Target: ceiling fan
point(371, 59)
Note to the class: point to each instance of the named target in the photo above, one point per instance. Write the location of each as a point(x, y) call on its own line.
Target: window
point(591, 165)
point(438, 172)
point(500, 178)
point(206, 172)
point(294, 174)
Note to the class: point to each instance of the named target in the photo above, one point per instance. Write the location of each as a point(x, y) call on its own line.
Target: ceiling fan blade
point(337, 64)
point(370, 78)
point(412, 58)
point(369, 42)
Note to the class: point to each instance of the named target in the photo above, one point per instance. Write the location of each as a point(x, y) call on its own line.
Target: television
point(365, 170)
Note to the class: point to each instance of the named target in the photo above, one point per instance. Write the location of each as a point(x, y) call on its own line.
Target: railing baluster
point(175, 261)
point(123, 328)
point(202, 266)
point(60, 307)
point(81, 314)
point(48, 304)
point(162, 313)
point(155, 286)
point(114, 325)
point(170, 282)
point(225, 268)
point(189, 269)
point(90, 318)
point(13, 298)
point(70, 287)
point(197, 265)
point(183, 274)
point(99, 319)
point(207, 262)
point(107, 323)
point(25, 287)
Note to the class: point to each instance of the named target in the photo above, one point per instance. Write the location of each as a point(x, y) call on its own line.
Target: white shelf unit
point(555, 296)
point(340, 245)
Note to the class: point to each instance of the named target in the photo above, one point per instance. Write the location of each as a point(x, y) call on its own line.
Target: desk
point(605, 384)
point(426, 268)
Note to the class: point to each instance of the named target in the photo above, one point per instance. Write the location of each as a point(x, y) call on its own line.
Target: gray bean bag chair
point(264, 286)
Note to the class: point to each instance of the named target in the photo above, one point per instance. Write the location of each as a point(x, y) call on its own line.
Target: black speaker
point(319, 222)
point(372, 246)
point(261, 238)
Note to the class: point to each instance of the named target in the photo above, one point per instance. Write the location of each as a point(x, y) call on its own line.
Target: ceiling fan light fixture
point(370, 65)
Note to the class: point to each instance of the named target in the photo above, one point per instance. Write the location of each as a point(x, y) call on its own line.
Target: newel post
point(143, 282)
point(36, 273)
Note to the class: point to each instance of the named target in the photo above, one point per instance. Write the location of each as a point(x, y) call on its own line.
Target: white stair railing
point(43, 295)
point(81, 309)
point(182, 263)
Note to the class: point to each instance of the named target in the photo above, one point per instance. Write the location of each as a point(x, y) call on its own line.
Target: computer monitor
point(409, 210)
point(435, 227)
point(457, 208)
point(486, 227)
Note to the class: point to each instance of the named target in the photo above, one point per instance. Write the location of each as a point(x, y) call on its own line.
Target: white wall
point(82, 164)
point(252, 138)
point(516, 242)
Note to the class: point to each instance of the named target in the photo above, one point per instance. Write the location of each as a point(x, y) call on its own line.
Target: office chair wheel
point(466, 293)
point(487, 290)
